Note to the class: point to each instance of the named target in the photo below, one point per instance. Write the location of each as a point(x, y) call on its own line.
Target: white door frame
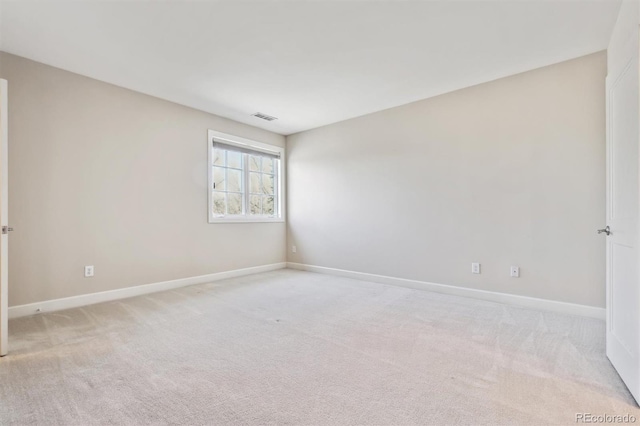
point(4, 218)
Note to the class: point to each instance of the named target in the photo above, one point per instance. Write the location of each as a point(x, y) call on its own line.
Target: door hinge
point(6, 229)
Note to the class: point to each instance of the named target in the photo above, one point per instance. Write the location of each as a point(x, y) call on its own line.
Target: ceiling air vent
point(264, 116)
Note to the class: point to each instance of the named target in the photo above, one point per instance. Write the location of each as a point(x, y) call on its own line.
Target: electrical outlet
point(475, 268)
point(88, 271)
point(294, 249)
point(515, 271)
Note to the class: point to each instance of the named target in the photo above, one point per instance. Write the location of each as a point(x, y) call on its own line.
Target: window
point(245, 180)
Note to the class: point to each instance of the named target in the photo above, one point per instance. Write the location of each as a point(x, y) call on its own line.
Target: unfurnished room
point(329, 212)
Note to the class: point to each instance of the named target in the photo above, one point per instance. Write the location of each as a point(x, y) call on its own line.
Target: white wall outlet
point(475, 268)
point(294, 249)
point(89, 271)
point(515, 271)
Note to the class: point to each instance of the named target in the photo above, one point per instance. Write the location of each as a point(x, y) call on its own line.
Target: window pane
point(267, 205)
point(256, 205)
point(254, 163)
point(234, 159)
point(243, 184)
point(255, 184)
point(234, 180)
point(234, 203)
point(218, 157)
point(267, 184)
point(267, 165)
point(218, 179)
point(219, 205)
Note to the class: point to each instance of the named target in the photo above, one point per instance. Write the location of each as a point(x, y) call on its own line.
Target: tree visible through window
point(244, 182)
point(228, 188)
point(261, 185)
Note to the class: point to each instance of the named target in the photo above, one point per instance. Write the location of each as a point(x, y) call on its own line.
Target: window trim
point(278, 177)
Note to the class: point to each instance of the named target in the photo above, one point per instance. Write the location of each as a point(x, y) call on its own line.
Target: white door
point(4, 217)
point(623, 256)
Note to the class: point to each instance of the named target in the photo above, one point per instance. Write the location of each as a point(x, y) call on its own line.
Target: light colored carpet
point(290, 347)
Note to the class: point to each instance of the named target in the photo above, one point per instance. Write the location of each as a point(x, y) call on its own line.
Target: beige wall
point(103, 176)
point(510, 172)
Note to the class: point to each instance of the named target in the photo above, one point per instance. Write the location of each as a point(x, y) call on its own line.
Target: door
point(4, 217)
point(623, 254)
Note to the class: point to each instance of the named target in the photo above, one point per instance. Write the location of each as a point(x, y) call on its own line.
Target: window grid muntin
point(262, 194)
point(224, 166)
point(245, 185)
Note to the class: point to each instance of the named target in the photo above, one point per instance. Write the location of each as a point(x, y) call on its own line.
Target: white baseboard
point(508, 299)
point(123, 293)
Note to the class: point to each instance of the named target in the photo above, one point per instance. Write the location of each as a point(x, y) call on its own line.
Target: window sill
point(246, 220)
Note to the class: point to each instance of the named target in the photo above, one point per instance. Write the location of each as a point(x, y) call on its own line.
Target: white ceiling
point(309, 63)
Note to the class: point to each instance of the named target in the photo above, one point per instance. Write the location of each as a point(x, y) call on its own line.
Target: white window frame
point(279, 186)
